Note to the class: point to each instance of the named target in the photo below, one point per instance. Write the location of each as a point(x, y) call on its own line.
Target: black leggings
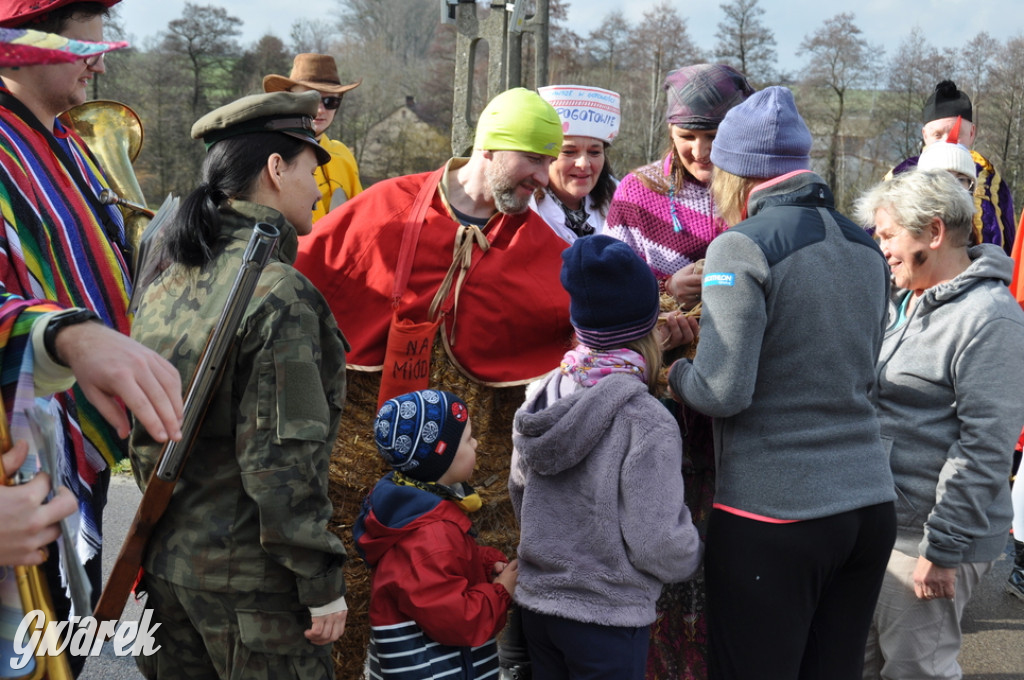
point(794, 601)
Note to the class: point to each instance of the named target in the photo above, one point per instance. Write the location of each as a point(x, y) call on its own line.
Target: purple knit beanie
point(763, 137)
point(699, 96)
point(613, 295)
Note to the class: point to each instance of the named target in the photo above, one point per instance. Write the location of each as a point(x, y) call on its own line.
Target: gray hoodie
point(597, 487)
point(951, 404)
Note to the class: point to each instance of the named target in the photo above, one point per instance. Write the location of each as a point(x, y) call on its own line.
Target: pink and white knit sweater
point(643, 218)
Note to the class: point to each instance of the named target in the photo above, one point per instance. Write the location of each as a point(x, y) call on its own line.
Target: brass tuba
point(114, 134)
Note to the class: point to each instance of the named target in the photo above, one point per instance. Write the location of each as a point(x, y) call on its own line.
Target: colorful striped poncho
point(55, 253)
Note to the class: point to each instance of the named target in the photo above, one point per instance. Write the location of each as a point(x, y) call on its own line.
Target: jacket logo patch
point(719, 279)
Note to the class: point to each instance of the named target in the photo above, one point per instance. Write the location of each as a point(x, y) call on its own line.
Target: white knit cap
point(585, 111)
point(946, 156)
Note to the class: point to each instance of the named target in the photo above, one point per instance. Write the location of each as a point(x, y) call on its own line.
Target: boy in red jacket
point(437, 598)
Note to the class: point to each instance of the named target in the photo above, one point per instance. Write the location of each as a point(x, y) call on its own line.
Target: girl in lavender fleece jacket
point(596, 479)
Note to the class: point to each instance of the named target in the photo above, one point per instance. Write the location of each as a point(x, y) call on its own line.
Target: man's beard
point(503, 189)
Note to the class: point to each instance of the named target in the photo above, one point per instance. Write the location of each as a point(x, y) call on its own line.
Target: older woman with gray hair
point(950, 407)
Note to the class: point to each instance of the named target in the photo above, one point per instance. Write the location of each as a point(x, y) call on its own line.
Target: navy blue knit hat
point(763, 137)
point(418, 433)
point(613, 296)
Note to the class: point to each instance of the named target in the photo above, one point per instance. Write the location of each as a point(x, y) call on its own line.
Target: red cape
point(512, 323)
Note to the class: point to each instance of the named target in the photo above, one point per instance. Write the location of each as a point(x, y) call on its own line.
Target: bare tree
point(308, 35)
point(205, 36)
point(1005, 120)
point(607, 44)
point(971, 63)
point(267, 55)
point(566, 60)
point(745, 43)
point(841, 61)
point(914, 69)
point(403, 29)
point(392, 67)
point(659, 44)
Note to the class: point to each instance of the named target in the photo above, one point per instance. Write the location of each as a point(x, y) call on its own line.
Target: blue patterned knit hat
point(418, 433)
point(613, 295)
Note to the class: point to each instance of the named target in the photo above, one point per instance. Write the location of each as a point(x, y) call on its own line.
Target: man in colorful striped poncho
point(63, 267)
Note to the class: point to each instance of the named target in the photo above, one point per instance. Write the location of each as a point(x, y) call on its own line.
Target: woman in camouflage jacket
point(242, 572)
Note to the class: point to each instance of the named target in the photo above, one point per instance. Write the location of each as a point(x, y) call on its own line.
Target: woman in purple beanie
point(663, 210)
point(665, 213)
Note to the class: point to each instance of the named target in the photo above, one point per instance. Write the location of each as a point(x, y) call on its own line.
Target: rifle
point(161, 484)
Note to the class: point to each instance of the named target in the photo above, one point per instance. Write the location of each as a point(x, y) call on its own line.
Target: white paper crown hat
point(585, 111)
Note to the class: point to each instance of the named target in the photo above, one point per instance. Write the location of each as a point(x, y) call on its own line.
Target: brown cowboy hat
point(15, 13)
point(315, 71)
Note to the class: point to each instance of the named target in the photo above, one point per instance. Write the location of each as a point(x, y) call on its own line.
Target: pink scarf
point(586, 366)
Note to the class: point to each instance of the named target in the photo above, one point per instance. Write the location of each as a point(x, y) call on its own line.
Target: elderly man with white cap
point(948, 116)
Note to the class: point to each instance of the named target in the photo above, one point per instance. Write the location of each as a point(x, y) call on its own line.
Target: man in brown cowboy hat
point(338, 179)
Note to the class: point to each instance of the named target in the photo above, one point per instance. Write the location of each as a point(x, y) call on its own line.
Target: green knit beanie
point(519, 120)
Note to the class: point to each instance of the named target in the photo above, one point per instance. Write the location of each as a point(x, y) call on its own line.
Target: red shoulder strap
point(411, 235)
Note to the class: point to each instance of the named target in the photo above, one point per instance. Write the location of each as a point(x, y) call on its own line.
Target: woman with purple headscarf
point(664, 212)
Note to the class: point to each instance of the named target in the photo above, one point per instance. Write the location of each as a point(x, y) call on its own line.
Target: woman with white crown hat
point(580, 182)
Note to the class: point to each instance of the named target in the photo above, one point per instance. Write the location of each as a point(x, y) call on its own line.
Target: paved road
point(993, 622)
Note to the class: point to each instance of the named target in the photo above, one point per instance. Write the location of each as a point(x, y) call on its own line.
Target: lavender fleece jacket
point(597, 486)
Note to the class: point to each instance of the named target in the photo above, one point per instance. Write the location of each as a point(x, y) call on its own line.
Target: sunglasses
point(330, 103)
point(93, 60)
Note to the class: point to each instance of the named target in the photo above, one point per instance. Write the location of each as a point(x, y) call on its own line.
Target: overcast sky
point(946, 23)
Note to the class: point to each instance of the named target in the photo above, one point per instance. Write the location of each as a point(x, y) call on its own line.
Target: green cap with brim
point(519, 120)
point(289, 113)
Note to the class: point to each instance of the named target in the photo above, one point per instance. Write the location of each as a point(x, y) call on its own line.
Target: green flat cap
point(290, 113)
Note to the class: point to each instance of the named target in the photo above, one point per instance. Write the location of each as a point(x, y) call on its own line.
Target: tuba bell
point(113, 132)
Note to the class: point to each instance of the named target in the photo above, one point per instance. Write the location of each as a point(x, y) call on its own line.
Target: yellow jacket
point(340, 173)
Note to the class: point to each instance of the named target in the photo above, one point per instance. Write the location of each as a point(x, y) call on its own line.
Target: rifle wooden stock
point(174, 454)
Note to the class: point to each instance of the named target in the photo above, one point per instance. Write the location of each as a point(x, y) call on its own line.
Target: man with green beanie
point(447, 280)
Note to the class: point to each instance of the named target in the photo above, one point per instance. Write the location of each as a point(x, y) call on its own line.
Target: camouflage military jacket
point(250, 511)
